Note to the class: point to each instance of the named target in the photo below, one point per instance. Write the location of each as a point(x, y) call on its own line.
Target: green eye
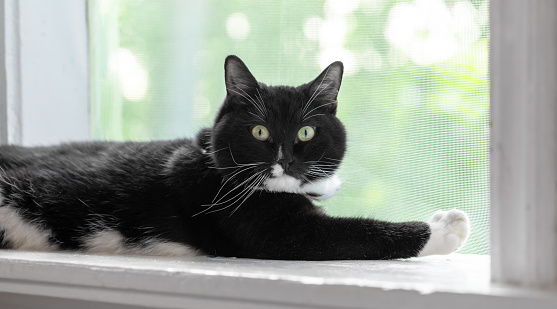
point(260, 132)
point(306, 133)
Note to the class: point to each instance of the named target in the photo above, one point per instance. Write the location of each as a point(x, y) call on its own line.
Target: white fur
point(171, 162)
point(277, 170)
point(107, 242)
point(280, 155)
point(283, 183)
point(21, 234)
point(112, 242)
point(320, 189)
point(155, 246)
point(324, 187)
point(449, 231)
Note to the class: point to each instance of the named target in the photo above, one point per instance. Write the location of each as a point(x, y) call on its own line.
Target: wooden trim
point(524, 141)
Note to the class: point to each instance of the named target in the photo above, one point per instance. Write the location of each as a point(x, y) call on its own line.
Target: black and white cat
point(242, 188)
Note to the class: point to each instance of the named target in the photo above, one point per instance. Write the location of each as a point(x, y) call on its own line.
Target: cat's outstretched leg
point(290, 227)
point(449, 231)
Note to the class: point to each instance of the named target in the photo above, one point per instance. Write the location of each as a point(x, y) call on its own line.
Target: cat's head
point(280, 138)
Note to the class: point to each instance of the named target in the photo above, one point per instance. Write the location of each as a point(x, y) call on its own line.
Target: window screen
point(414, 98)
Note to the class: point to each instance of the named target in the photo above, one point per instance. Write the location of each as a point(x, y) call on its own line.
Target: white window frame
point(524, 141)
point(44, 86)
point(523, 187)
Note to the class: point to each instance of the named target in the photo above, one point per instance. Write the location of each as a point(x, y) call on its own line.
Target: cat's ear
point(327, 84)
point(239, 80)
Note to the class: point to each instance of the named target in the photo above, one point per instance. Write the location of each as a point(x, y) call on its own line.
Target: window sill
point(455, 281)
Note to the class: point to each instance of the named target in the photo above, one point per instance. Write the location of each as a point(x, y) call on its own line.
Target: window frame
point(523, 75)
point(523, 146)
point(44, 58)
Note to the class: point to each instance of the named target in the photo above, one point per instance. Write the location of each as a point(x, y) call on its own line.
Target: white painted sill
point(455, 281)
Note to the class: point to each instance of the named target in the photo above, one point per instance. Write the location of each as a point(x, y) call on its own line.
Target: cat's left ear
point(327, 84)
point(239, 80)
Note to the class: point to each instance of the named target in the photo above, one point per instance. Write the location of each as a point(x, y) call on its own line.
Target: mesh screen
point(414, 98)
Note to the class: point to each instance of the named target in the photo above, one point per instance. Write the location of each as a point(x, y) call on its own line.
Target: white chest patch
point(277, 170)
point(282, 182)
point(320, 189)
point(21, 234)
point(323, 188)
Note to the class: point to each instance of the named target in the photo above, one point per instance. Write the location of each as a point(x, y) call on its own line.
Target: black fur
point(165, 189)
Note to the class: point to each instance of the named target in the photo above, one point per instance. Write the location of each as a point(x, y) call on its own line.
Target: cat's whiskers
point(236, 167)
point(82, 202)
point(316, 174)
point(245, 193)
point(326, 165)
point(332, 159)
point(237, 171)
point(318, 160)
point(320, 170)
point(242, 164)
point(305, 116)
point(253, 188)
point(249, 99)
point(257, 116)
point(218, 202)
point(306, 179)
point(213, 152)
point(313, 96)
point(262, 103)
point(313, 99)
point(262, 179)
point(321, 164)
point(324, 170)
point(229, 178)
point(260, 108)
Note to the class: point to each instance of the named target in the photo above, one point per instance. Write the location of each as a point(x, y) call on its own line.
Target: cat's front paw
point(449, 231)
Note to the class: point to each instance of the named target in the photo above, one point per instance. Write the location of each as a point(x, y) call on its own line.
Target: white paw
point(449, 231)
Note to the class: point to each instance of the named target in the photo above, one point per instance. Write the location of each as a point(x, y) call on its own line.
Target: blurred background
point(414, 97)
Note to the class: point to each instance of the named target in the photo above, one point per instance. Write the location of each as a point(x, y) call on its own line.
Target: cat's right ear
point(239, 80)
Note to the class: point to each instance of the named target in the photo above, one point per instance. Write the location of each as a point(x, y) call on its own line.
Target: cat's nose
point(285, 163)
